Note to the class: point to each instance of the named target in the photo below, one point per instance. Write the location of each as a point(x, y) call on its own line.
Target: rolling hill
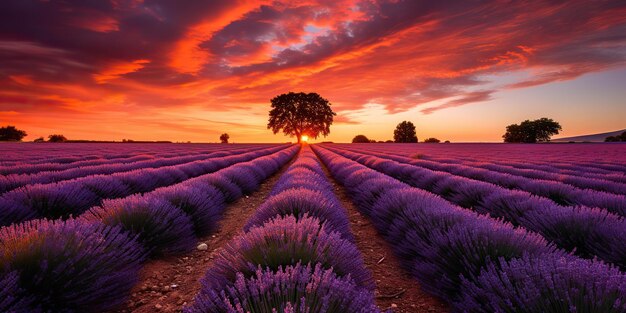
point(589, 138)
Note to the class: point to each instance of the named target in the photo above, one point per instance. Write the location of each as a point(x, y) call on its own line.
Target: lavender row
point(14, 181)
point(529, 167)
point(91, 263)
point(572, 171)
point(598, 159)
point(26, 167)
point(72, 197)
point(595, 183)
point(294, 256)
point(476, 263)
point(479, 170)
point(587, 231)
point(558, 192)
point(18, 153)
point(565, 172)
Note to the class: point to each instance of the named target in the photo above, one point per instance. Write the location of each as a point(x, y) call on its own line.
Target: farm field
point(157, 227)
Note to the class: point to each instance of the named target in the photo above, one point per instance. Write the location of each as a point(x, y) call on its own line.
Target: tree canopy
point(224, 138)
point(528, 131)
point(298, 114)
point(405, 132)
point(432, 140)
point(360, 139)
point(57, 138)
point(10, 133)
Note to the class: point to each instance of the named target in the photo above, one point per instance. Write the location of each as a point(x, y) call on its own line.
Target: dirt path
point(395, 289)
point(168, 284)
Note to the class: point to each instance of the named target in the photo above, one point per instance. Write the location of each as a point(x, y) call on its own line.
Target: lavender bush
point(203, 204)
point(287, 289)
point(13, 298)
point(228, 188)
point(287, 241)
point(70, 266)
point(548, 284)
point(53, 201)
point(302, 202)
point(161, 227)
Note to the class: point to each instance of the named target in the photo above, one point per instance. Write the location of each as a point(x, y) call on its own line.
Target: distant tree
point(539, 130)
point(380, 141)
point(405, 132)
point(10, 133)
point(40, 139)
point(389, 141)
point(432, 140)
point(360, 139)
point(224, 138)
point(300, 114)
point(372, 140)
point(447, 141)
point(618, 138)
point(57, 138)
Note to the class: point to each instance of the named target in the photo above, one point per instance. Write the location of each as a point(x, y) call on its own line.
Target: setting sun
point(304, 138)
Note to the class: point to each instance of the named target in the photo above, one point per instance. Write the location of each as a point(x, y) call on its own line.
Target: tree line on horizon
point(618, 138)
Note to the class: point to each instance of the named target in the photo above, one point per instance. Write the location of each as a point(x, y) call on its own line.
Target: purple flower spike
point(287, 289)
point(287, 241)
point(162, 228)
point(299, 203)
point(203, 204)
point(546, 284)
point(70, 266)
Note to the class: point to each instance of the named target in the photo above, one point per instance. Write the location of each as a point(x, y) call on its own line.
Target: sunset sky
point(190, 70)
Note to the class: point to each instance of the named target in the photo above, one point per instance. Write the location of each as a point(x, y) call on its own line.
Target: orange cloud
point(187, 56)
point(119, 69)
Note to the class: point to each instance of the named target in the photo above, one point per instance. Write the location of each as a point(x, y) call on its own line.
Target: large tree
point(528, 131)
point(299, 114)
point(405, 132)
point(224, 138)
point(10, 133)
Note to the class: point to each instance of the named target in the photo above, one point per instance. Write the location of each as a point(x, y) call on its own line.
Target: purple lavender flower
point(587, 232)
point(13, 298)
point(465, 249)
point(204, 204)
point(549, 283)
point(243, 177)
point(287, 289)
point(161, 227)
point(228, 188)
point(302, 202)
point(287, 241)
point(105, 186)
point(54, 201)
point(69, 265)
point(12, 211)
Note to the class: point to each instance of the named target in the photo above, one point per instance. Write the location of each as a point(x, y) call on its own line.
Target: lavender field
point(469, 227)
